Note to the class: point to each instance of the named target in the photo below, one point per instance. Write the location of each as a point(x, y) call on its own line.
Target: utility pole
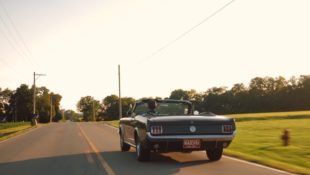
point(94, 118)
point(119, 92)
point(15, 115)
point(51, 116)
point(63, 114)
point(35, 77)
point(34, 93)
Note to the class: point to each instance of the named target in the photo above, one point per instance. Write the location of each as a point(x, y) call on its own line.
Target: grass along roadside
point(114, 123)
point(259, 141)
point(270, 116)
point(8, 130)
point(13, 124)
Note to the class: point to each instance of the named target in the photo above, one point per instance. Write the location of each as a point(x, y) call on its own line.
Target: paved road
point(92, 148)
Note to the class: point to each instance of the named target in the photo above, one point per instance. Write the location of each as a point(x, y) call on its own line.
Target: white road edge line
point(239, 160)
point(111, 127)
point(259, 165)
point(19, 135)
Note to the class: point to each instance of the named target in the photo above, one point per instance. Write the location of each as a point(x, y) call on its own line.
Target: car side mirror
point(196, 112)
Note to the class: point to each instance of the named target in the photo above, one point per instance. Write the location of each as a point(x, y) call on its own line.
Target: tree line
point(263, 94)
point(17, 105)
point(107, 109)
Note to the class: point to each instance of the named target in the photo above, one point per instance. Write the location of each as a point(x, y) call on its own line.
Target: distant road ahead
point(92, 148)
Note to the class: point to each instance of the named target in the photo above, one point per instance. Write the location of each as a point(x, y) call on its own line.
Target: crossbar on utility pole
point(119, 92)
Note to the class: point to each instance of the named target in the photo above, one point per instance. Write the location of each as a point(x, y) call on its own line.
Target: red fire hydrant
point(285, 137)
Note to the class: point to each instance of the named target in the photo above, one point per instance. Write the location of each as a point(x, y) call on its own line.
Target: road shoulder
point(12, 133)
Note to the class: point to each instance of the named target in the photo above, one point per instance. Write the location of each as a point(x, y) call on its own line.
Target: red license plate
point(191, 143)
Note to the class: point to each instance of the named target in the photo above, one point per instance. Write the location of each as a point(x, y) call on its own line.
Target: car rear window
point(164, 108)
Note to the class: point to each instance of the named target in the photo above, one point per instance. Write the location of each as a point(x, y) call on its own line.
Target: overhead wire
point(186, 32)
point(15, 29)
point(9, 66)
point(9, 41)
point(13, 42)
point(24, 49)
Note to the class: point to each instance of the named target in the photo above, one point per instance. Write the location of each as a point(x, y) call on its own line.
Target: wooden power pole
point(119, 92)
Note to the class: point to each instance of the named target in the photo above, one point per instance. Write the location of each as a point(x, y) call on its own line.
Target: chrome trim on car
point(202, 137)
point(130, 144)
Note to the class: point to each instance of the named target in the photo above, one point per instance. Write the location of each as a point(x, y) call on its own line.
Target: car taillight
point(227, 128)
point(156, 129)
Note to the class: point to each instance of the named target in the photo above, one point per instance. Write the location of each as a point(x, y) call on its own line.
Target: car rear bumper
point(212, 138)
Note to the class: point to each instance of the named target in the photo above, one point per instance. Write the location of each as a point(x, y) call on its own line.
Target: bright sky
point(79, 43)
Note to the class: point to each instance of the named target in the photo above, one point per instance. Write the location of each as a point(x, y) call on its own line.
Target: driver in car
point(152, 104)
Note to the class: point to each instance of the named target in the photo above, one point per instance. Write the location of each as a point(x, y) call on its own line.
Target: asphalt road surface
point(93, 148)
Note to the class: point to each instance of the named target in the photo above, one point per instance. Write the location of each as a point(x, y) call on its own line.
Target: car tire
point(142, 153)
point(215, 154)
point(124, 146)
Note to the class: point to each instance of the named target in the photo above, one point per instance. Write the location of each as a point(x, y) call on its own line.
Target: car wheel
point(215, 154)
point(124, 146)
point(142, 153)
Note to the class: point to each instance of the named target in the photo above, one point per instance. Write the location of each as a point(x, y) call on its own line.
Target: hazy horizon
point(79, 44)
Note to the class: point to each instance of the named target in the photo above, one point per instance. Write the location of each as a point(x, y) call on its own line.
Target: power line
point(27, 54)
point(15, 29)
point(10, 42)
point(9, 66)
point(187, 32)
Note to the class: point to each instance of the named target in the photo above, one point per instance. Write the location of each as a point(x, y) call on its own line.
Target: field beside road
point(258, 139)
point(271, 115)
point(114, 123)
point(8, 130)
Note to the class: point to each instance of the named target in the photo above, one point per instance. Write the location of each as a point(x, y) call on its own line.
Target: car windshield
point(163, 109)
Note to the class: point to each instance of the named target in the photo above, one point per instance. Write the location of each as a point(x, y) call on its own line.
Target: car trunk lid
point(192, 125)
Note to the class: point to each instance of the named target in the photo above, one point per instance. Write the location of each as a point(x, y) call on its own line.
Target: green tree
point(111, 106)
point(57, 114)
point(18, 105)
point(71, 115)
point(5, 96)
point(180, 94)
point(89, 107)
point(238, 89)
point(21, 103)
point(43, 104)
